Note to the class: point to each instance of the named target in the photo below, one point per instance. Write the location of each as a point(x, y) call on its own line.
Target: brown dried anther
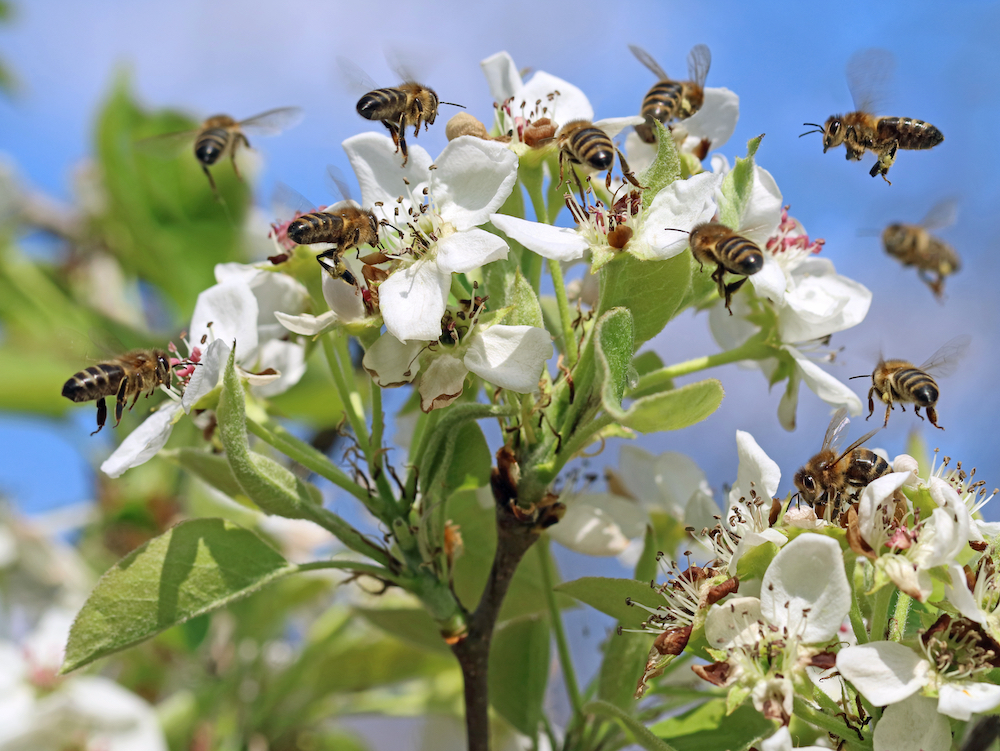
point(673, 641)
point(717, 673)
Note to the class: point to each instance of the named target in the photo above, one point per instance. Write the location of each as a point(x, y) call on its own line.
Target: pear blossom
point(782, 741)
point(912, 725)
point(345, 307)
point(469, 181)
point(769, 642)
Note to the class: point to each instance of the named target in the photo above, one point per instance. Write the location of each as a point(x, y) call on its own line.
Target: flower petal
point(391, 362)
point(380, 174)
point(961, 698)
point(142, 443)
point(876, 500)
point(615, 125)
point(472, 179)
point(770, 281)
point(275, 292)
point(466, 251)
point(511, 357)
point(958, 594)
point(824, 385)
point(885, 672)
point(288, 359)
point(413, 299)
point(442, 382)
point(805, 588)
point(554, 243)
point(716, 120)
point(640, 154)
point(679, 482)
point(912, 725)
point(502, 76)
point(679, 206)
point(232, 310)
point(206, 375)
point(818, 302)
point(734, 622)
point(567, 102)
point(306, 324)
point(762, 214)
point(755, 468)
point(343, 298)
point(599, 524)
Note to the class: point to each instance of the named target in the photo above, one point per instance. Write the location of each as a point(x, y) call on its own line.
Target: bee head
point(808, 487)
point(163, 370)
point(833, 133)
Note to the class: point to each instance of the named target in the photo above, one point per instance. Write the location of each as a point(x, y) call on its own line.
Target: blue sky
point(786, 62)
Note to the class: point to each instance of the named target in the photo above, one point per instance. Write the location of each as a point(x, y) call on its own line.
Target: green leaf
point(635, 729)
point(471, 461)
point(645, 567)
point(196, 567)
point(412, 625)
point(519, 671)
point(737, 187)
point(624, 660)
point(652, 290)
point(614, 336)
point(708, 728)
point(208, 467)
point(610, 595)
point(275, 489)
point(665, 168)
point(753, 563)
point(526, 310)
point(672, 410)
point(647, 362)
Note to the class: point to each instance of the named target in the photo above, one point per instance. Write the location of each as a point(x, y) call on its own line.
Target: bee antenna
point(815, 125)
point(863, 375)
point(809, 131)
point(453, 104)
point(674, 229)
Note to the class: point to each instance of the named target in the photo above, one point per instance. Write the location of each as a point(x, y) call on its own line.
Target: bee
point(915, 246)
point(668, 99)
point(712, 242)
point(860, 131)
point(580, 142)
point(121, 377)
point(220, 135)
point(833, 479)
point(901, 381)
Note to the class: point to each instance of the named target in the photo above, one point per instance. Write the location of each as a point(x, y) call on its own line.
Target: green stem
point(752, 349)
point(880, 613)
point(421, 436)
point(349, 397)
point(562, 644)
point(579, 441)
point(351, 537)
point(835, 725)
point(897, 626)
point(361, 568)
point(565, 314)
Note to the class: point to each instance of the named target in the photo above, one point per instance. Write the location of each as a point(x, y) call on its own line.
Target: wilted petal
point(466, 251)
point(511, 357)
point(961, 698)
point(912, 725)
point(413, 299)
point(232, 310)
point(679, 206)
point(824, 385)
point(391, 362)
point(568, 105)
point(380, 174)
point(288, 359)
point(206, 375)
point(615, 125)
point(716, 120)
point(805, 588)
point(142, 443)
point(442, 382)
point(555, 243)
point(472, 179)
point(502, 76)
point(599, 524)
point(885, 672)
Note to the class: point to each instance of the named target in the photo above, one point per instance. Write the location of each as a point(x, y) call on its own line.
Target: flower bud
point(464, 124)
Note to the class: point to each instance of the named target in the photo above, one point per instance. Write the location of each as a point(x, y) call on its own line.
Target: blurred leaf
point(647, 362)
point(624, 659)
point(196, 567)
point(633, 727)
point(708, 728)
point(673, 410)
point(33, 382)
point(917, 448)
point(314, 399)
point(413, 625)
point(665, 168)
point(645, 567)
point(212, 469)
point(446, 447)
point(610, 595)
point(381, 662)
point(519, 671)
point(737, 187)
point(652, 290)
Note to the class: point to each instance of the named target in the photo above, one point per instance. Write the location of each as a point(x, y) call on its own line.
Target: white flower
point(346, 306)
point(472, 178)
point(782, 741)
point(912, 725)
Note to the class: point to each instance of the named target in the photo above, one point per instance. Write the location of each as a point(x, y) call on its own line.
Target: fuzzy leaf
point(614, 338)
point(672, 410)
point(665, 168)
point(652, 290)
point(519, 671)
point(624, 659)
point(609, 596)
point(196, 567)
point(412, 625)
point(211, 468)
point(737, 187)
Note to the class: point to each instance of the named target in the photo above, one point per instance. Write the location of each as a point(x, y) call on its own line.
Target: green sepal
point(737, 694)
point(737, 187)
point(666, 167)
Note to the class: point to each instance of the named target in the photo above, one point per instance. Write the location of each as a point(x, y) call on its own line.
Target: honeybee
point(833, 479)
point(581, 142)
point(915, 246)
point(860, 131)
point(901, 381)
point(712, 242)
point(669, 99)
point(121, 377)
point(221, 134)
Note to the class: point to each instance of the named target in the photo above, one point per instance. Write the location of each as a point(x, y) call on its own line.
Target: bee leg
point(731, 288)
point(402, 147)
point(120, 401)
point(102, 415)
point(916, 411)
point(626, 172)
point(888, 407)
point(420, 117)
point(240, 138)
point(871, 402)
point(932, 416)
point(211, 182)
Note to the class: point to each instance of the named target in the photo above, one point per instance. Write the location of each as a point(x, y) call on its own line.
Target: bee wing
point(868, 75)
point(699, 61)
point(356, 79)
point(339, 185)
point(286, 202)
point(407, 64)
point(835, 431)
point(646, 59)
point(861, 441)
point(945, 360)
point(272, 122)
point(166, 145)
point(942, 214)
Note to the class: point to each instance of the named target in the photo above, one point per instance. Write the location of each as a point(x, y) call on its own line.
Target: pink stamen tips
point(900, 540)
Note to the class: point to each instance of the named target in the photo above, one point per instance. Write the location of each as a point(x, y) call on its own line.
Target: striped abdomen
point(592, 147)
point(914, 385)
point(211, 144)
point(864, 467)
point(317, 227)
point(382, 104)
point(739, 255)
point(95, 382)
point(662, 103)
point(909, 133)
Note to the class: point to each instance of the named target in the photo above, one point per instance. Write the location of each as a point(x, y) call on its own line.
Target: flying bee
point(867, 73)
point(220, 135)
point(915, 246)
point(121, 377)
point(901, 381)
point(833, 479)
point(668, 99)
point(582, 143)
point(712, 242)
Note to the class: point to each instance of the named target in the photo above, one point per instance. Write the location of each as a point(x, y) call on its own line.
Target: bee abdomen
point(594, 148)
point(909, 133)
point(211, 144)
point(918, 385)
point(943, 257)
point(866, 466)
point(381, 104)
point(94, 382)
point(662, 101)
point(316, 227)
point(740, 256)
